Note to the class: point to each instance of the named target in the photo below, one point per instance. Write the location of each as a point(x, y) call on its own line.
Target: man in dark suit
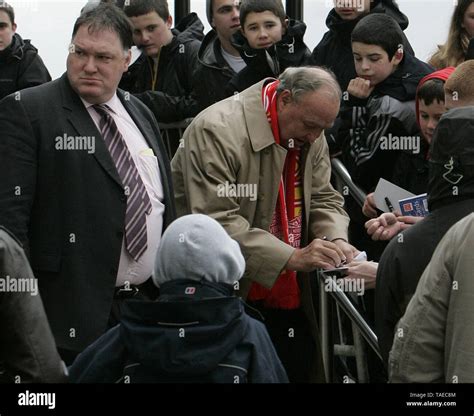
point(85, 183)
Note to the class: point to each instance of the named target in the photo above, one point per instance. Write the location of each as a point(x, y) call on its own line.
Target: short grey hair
point(304, 79)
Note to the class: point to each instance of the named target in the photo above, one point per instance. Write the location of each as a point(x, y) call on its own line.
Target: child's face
point(429, 117)
point(372, 63)
point(262, 30)
point(351, 9)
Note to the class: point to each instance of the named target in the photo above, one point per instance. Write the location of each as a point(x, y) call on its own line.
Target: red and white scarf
point(287, 218)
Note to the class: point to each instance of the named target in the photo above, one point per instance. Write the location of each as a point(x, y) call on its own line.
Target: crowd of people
point(194, 263)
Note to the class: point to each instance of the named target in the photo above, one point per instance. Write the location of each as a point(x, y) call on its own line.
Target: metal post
point(181, 8)
point(294, 9)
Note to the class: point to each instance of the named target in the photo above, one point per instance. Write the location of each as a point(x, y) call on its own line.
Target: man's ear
point(14, 27)
point(169, 22)
point(284, 99)
point(128, 58)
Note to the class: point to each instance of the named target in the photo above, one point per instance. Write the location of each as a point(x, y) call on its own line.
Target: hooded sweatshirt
point(411, 169)
point(272, 61)
point(173, 97)
point(335, 50)
point(450, 198)
point(21, 67)
point(198, 331)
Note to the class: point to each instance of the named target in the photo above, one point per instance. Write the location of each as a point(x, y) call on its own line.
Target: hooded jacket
point(197, 332)
point(411, 169)
point(173, 98)
point(213, 73)
point(272, 61)
point(334, 51)
point(407, 255)
point(21, 67)
point(388, 112)
point(27, 349)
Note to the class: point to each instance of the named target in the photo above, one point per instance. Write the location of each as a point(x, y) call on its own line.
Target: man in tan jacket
point(258, 163)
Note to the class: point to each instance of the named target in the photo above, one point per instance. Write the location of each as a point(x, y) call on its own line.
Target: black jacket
point(364, 124)
point(173, 98)
point(68, 207)
point(270, 62)
point(204, 337)
point(334, 51)
point(21, 67)
point(27, 349)
point(402, 264)
point(213, 73)
point(450, 198)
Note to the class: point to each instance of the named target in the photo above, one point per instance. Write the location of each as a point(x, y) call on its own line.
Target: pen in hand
point(389, 204)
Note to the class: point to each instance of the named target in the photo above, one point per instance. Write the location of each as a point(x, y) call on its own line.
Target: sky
point(48, 23)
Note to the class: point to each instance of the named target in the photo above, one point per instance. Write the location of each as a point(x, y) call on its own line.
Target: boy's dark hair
point(5, 7)
point(107, 17)
point(259, 6)
point(140, 7)
point(431, 90)
point(381, 30)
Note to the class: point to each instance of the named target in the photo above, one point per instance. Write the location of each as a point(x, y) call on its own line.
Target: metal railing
point(173, 132)
point(344, 180)
point(360, 329)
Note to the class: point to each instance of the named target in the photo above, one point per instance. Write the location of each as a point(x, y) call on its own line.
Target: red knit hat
point(442, 74)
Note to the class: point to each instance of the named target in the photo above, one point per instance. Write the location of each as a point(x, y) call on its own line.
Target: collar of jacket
point(260, 132)
point(16, 49)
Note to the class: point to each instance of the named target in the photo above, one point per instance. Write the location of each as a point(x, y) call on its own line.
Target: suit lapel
point(82, 122)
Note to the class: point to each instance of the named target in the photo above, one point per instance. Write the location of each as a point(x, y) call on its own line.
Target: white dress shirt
point(131, 271)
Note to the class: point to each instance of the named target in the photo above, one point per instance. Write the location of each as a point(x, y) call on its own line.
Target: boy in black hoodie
point(268, 42)
point(335, 52)
point(379, 104)
point(162, 77)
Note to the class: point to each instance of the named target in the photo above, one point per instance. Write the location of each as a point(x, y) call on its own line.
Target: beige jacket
point(434, 340)
point(231, 143)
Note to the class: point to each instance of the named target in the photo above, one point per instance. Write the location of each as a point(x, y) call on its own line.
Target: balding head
point(459, 88)
point(306, 79)
point(308, 100)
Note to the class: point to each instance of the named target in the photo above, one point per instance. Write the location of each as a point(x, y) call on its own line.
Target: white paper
point(394, 193)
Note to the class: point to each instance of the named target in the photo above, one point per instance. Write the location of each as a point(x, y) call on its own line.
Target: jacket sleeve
point(168, 108)
point(198, 169)
point(33, 72)
point(18, 166)
point(101, 362)
point(364, 135)
point(433, 340)
point(327, 215)
point(27, 346)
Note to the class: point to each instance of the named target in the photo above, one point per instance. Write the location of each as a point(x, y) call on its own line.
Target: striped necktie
point(138, 201)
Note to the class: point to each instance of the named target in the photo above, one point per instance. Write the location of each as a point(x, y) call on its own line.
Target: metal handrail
point(341, 172)
point(346, 305)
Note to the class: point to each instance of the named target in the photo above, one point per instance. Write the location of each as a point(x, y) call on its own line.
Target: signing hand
point(318, 254)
